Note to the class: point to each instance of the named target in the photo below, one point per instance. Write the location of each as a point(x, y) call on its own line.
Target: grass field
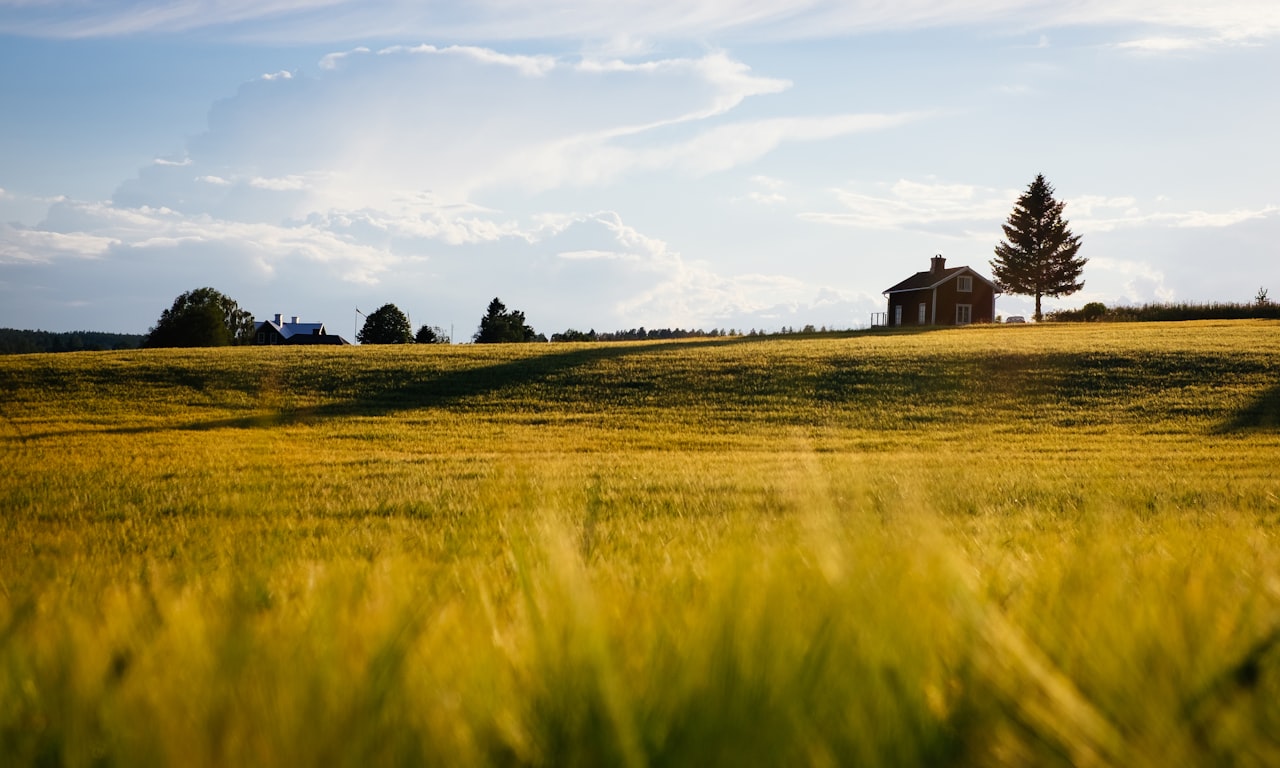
point(1052, 544)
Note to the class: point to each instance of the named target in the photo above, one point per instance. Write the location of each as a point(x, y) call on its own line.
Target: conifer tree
point(1038, 256)
point(502, 326)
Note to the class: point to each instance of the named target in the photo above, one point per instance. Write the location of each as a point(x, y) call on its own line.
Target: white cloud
point(389, 126)
point(1133, 216)
point(965, 211)
point(165, 162)
point(20, 245)
point(590, 255)
point(283, 74)
point(1087, 205)
point(624, 23)
point(1163, 45)
point(332, 60)
point(634, 278)
point(728, 146)
point(291, 183)
point(1222, 218)
point(949, 209)
point(1140, 281)
point(530, 66)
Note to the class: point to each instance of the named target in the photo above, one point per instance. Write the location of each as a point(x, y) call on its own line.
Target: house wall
point(910, 302)
point(981, 300)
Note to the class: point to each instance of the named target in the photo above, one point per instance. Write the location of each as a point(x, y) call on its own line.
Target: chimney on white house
point(937, 263)
point(279, 318)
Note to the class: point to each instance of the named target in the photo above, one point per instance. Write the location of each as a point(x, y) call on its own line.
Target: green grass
point(1044, 545)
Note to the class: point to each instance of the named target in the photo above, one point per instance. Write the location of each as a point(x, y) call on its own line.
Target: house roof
point(289, 330)
point(923, 281)
point(303, 338)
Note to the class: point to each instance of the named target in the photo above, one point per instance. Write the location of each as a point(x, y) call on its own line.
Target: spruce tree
point(1038, 255)
point(502, 326)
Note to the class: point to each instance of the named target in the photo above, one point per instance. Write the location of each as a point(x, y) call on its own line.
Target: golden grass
point(984, 546)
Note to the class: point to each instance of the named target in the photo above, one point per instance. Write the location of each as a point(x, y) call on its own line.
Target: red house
point(941, 296)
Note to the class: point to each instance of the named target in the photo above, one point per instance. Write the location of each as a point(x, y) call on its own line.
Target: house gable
point(941, 296)
point(281, 331)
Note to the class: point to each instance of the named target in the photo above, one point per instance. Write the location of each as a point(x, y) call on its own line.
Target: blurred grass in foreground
point(990, 546)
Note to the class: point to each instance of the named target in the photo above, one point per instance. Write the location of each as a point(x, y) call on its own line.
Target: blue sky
point(704, 163)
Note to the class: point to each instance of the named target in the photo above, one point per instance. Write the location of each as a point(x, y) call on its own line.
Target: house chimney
point(937, 263)
point(279, 318)
point(295, 319)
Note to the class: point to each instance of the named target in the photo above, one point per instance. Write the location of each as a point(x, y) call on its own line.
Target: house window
point(921, 316)
point(897, 314)
point(964, 284)
point(964, 314)
point(261, 337)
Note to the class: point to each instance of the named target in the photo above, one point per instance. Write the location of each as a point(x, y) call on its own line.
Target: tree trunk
point(1037, 306)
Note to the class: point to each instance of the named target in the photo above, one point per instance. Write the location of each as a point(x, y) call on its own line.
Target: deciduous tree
point(201, 318)
point(386, 325)
point(1038, 256)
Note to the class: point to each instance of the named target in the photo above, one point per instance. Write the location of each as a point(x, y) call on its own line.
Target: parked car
point(1015, 319)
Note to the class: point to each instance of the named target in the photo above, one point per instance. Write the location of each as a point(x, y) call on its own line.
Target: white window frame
point(964, 284)
point(923, 314)
point(964, 314)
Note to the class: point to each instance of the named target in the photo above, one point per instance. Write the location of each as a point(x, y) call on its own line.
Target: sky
point(611, 164)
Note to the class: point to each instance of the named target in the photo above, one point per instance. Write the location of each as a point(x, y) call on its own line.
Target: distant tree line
point(16, 342)
point(1097, 312)
point(499, 325)
point(655, 334)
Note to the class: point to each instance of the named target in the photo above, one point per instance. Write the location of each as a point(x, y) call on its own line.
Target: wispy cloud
point(623, 22)
point(292, 183)
point(332, 60)
point(406, 120)
point(531, 66)
point(952, 209)
point(967, 211)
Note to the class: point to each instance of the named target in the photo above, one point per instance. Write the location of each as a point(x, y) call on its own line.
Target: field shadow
point(1262, 414)
point(388, 391)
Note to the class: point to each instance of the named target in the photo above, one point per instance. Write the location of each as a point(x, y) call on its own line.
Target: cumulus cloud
point(383, 127)
point(1140, 282)
point(19, 245)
